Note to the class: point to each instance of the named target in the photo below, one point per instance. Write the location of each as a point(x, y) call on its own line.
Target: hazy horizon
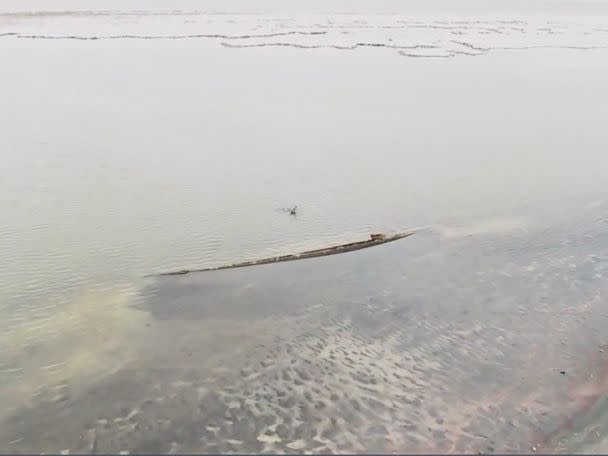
point(299, 6)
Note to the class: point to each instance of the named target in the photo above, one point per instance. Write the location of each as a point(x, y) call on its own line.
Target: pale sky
point(399, 6)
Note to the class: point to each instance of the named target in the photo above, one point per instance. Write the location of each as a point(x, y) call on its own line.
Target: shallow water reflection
point(429, 344)
point(485, 331)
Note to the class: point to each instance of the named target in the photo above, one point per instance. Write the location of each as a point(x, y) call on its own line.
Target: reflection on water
point(128, 158)
point(431, 344)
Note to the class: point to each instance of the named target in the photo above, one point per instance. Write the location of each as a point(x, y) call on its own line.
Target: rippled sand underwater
point(485, 341)
point(483, 332)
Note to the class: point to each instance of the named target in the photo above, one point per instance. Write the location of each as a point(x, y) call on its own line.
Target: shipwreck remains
point(374, 240)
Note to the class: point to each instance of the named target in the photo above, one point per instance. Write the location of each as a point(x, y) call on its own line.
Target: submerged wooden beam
point(375, 239)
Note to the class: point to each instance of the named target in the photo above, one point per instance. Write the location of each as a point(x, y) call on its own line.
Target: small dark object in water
point(563, 372)
point(290, 210)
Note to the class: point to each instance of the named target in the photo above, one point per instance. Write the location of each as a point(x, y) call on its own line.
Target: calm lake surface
point(134, 144)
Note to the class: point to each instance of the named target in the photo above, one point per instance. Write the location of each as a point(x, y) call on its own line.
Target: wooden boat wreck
point(375, 239)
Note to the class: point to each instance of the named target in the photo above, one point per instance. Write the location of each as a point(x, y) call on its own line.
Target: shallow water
point(130, 156)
